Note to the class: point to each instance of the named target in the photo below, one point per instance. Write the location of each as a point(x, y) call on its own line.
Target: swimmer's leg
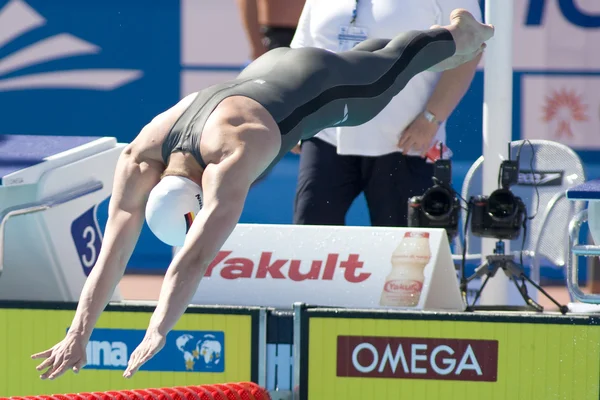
point(324, 89)
point(372, 78)
point(371, 45)
point(317, 89)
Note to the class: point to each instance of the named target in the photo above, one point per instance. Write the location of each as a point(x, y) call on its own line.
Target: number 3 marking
point(89, 232)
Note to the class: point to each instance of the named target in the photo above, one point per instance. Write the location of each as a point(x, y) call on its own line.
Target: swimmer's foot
point(469, 38)
point(467, 32)
point(456, 60)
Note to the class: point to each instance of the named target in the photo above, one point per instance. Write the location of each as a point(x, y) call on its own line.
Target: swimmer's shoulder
point(147, 146)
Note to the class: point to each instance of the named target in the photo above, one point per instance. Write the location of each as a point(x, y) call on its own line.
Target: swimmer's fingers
point(150, 346)
point(132, 365)
point(139, 357)
point(57, 362)
point(43, 354)
point(79, 365)
point(47, 362)
point(61, 369)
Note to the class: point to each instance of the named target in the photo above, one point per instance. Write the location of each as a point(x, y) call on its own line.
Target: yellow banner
point(202, 349)
point(353, 358)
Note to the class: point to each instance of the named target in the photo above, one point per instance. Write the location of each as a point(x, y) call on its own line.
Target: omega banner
point(365, 267)
point(352, 354)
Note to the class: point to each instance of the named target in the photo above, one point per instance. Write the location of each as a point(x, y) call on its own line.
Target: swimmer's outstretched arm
point(225, 187)
point(132, 183)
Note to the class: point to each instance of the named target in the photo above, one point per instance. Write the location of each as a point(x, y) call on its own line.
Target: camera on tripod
point(501, 215)
point(439, 206)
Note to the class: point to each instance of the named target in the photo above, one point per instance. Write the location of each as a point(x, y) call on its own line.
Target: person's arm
point(225, 187)
point(454, 83)
point(249, 14)
point(450, 89)
point(225, 191)
point(302, 36)
point(132, 183)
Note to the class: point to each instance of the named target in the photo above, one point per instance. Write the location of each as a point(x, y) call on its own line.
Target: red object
point(228, 391)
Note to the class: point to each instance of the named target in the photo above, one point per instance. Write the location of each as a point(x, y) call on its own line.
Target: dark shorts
point(328, 183)
point(277, 36)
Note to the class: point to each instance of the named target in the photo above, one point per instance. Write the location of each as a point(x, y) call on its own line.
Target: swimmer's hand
point(152, 343)
point(69, 353)
point(418, 136)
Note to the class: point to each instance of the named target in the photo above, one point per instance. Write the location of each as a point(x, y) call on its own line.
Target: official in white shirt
point(388, 162)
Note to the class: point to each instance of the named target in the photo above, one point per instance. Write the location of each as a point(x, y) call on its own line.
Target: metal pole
point(497, 121)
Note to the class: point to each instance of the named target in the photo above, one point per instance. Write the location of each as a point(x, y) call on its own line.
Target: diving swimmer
point(206, 151)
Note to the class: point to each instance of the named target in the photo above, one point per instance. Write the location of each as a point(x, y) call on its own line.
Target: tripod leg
point(523, 291)
point(563, 309)
point(487, 278)
point(483, 269)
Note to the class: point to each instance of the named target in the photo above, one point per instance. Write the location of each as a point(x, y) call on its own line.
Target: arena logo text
point(106, 354)
point(232, 267)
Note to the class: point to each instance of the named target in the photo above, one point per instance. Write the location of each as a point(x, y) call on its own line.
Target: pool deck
point(147, 288)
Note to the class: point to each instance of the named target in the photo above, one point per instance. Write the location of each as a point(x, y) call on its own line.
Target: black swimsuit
point(307, 90)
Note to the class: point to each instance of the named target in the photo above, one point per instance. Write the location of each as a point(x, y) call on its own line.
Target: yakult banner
point(358, 354)
point(278, 265)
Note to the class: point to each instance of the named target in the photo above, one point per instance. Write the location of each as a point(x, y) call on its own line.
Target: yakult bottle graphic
point(404, 284)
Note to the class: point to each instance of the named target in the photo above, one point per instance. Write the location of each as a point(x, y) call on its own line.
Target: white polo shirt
point(319, 26)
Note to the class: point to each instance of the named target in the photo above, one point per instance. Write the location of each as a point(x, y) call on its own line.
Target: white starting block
point(49, 234)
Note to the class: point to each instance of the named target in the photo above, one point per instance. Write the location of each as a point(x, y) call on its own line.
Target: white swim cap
point(172, 206)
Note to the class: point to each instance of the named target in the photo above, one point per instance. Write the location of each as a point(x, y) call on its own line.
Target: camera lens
point(437, 202)
point(502, 204)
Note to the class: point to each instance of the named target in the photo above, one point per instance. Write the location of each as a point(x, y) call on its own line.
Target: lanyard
point(354, 13)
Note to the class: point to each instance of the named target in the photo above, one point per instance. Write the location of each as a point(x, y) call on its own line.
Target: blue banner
point(184, 351)
point(87, 239)
point(96, 68)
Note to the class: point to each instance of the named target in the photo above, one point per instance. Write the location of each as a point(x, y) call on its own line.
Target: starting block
point(590, 192)
point(50, 189)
